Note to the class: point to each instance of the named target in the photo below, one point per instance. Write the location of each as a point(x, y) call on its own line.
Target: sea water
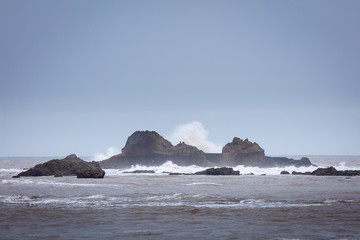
point(162, 206)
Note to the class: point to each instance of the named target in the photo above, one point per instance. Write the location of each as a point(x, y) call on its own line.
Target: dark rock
point(142, 143)
point(91, 173)
point(140, 171)
point(300, 173)
point(283, 162)
point(331, 171)
point(284, 172)
point(148, 148)
point(69, 166)
point(303, 162)
point(350, 173)
point(219, 171)
point(242, 152)
point(58, 175)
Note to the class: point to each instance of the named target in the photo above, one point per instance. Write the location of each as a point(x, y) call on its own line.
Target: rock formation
point(69, 166)
point(148, 148)
point(219, 171)
point(242, 152)
point(330, 171)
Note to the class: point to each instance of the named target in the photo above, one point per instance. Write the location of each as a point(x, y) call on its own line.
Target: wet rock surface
point(218, 171)
point(69, 166)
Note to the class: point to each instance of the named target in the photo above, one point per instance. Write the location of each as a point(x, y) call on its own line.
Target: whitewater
point(265, 205)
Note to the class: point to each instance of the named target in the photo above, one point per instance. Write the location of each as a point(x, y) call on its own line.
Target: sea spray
point(196, 135)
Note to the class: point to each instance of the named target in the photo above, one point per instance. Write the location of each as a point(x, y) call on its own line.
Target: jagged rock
point(69, 166)
point(149, 148)
point(219, 171)
point(91, 173)
point(284, 172)
point(242, 152)
point(142, 143)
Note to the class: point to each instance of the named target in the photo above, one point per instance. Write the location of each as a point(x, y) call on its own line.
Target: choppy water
point(159, 206)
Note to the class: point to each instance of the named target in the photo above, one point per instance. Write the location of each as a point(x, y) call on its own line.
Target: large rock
point(149, 148)
point(142, 143)
point(219, 171)
point(242, 152)
point(69, 166)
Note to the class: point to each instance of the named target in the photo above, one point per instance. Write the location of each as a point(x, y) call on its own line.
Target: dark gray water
point(159, 206)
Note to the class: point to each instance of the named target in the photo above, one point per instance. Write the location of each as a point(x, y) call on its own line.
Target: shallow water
point(159, 206)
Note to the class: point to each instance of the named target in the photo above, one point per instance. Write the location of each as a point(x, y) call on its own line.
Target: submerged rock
point(91, 173)
point(69, 166)
point(219, 171)
point(330, 171)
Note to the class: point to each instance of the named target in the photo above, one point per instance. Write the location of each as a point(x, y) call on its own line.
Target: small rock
point(92, 173)
point(219, 171)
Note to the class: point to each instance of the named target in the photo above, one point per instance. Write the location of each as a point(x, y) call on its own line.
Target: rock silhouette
point(149, 148)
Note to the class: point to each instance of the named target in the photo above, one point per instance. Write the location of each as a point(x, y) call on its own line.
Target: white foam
point(273, 170)
point(194, 134)
point(111, 151)
point(165, 168)
point(10, 170)
point(177, 199)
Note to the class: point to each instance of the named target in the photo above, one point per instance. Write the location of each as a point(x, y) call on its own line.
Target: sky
point(81, 76)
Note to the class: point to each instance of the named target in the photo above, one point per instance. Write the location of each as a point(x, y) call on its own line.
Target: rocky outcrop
point(283, 162)
point(219, 171)
point(284, 172)
point(69, 166)
point(143, 143)
point(149, 148)
point(242, 152)
point(91, 173)
point(330, 171)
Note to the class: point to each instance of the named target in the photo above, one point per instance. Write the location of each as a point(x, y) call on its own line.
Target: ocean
point(265, 205)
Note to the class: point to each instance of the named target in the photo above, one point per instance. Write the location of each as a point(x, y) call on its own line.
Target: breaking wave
point(170, 167)
point(171, 200)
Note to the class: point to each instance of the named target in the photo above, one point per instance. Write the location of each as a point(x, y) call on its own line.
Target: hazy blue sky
point(81, 76)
